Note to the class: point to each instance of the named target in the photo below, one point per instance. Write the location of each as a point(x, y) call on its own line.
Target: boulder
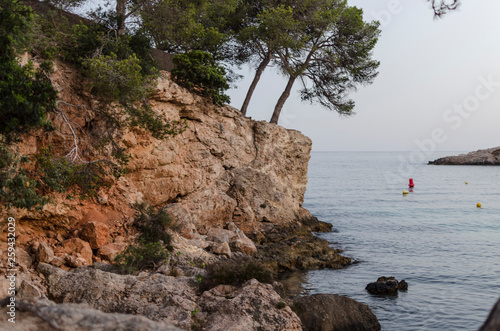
point(221, 249)
point(76, 317)
point(111, 251)
point(75, 247)
point(23, 258)
point(96, 234)
point(254, 306)
point(330, 312)
point(386, 285)
point(244, 245)
point(155, 296)
point(44, 253)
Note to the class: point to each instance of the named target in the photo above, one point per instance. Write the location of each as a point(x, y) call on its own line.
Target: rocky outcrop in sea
point(489, 156)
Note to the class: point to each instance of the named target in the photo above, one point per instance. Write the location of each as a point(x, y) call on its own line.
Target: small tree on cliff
point(335, 57)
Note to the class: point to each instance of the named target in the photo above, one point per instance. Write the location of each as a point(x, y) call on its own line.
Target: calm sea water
point(435, 238)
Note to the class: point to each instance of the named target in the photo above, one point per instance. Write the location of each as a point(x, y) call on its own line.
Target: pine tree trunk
point(282, 99)
point(256, 79)
point(121, 8)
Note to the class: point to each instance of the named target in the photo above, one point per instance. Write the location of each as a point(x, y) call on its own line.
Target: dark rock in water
point(492, 323)
point(387, 285)
point(329, 312)
point(489, 156)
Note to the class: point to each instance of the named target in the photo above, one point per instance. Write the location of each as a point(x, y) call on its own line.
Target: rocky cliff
point(234, 186)
point(489, 156)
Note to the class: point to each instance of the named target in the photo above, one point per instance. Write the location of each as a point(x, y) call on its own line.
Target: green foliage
point(153, 245)
point(115, 79)
point(26, 94)
point(16, 187)
point(144, 256)
point(179, 26)
point(199, 72)
point(232, 272)
point(58, 174)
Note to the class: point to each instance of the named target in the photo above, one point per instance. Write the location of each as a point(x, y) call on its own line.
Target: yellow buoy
point(478, 205)
point(466, 183)
point(405, 192)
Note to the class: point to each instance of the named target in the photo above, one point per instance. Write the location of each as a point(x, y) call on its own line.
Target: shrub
point(199, 72)
point(232, 272)
point(153, 245)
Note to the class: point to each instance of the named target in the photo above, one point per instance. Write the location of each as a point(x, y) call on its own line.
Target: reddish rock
point(44, 253)
point(96, 233)
point(110, 251)
point(76, 246)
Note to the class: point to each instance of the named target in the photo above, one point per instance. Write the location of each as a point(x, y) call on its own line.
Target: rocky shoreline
point(234, 188)
point(481, 157)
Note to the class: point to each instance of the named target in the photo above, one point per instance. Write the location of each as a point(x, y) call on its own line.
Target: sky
point(438, 87)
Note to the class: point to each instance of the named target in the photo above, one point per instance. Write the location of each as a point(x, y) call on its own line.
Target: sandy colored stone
point(44, 253)
point(244, 245)
point(111, 251)
point(76, 246)
point(221, 249)
point(95, 233)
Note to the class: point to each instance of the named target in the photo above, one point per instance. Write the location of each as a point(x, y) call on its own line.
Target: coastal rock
point(155, 296)
point(44, 253)
point(95, 233)
point(492, 323)
point(221, 249)
point(76, 248)
point(489, 156)
point(255, 306)
point(387, 285)
point(76, 317)
point(329, 312)
point(111, 251)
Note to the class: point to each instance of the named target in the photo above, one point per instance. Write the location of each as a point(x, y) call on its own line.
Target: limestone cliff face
point(222, 168)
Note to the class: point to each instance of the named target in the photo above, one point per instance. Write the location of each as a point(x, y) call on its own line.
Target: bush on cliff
point(153, 245)
point(200, 73)
point(235, 272)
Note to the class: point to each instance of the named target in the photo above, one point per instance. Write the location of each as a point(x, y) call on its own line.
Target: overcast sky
point(437, 81)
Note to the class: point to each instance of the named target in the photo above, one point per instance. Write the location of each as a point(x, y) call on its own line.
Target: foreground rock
point(489, 156)
point(173, 300)
point(492, 323)
point(44, 315)
point(330, 312)
point(386, 285)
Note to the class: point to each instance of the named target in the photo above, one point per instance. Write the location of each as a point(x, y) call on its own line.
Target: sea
point(435, 237)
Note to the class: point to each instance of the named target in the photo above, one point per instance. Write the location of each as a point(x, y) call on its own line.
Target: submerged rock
point(329, 312)
point(387, 285)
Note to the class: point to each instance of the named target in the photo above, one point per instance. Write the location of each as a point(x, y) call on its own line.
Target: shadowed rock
point(330, 312)
point(386, 285)
point(492, 323)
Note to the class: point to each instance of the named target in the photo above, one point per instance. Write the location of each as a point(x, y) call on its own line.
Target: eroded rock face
point(330, 312)
point(254, 306)
point(77, 317)
point(489, 156)
point(95, 233)
point(492, 323)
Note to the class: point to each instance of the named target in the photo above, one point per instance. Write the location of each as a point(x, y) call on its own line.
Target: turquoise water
point(435, 238)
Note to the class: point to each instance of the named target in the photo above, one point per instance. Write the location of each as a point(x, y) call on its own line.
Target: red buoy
point(411, 183)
